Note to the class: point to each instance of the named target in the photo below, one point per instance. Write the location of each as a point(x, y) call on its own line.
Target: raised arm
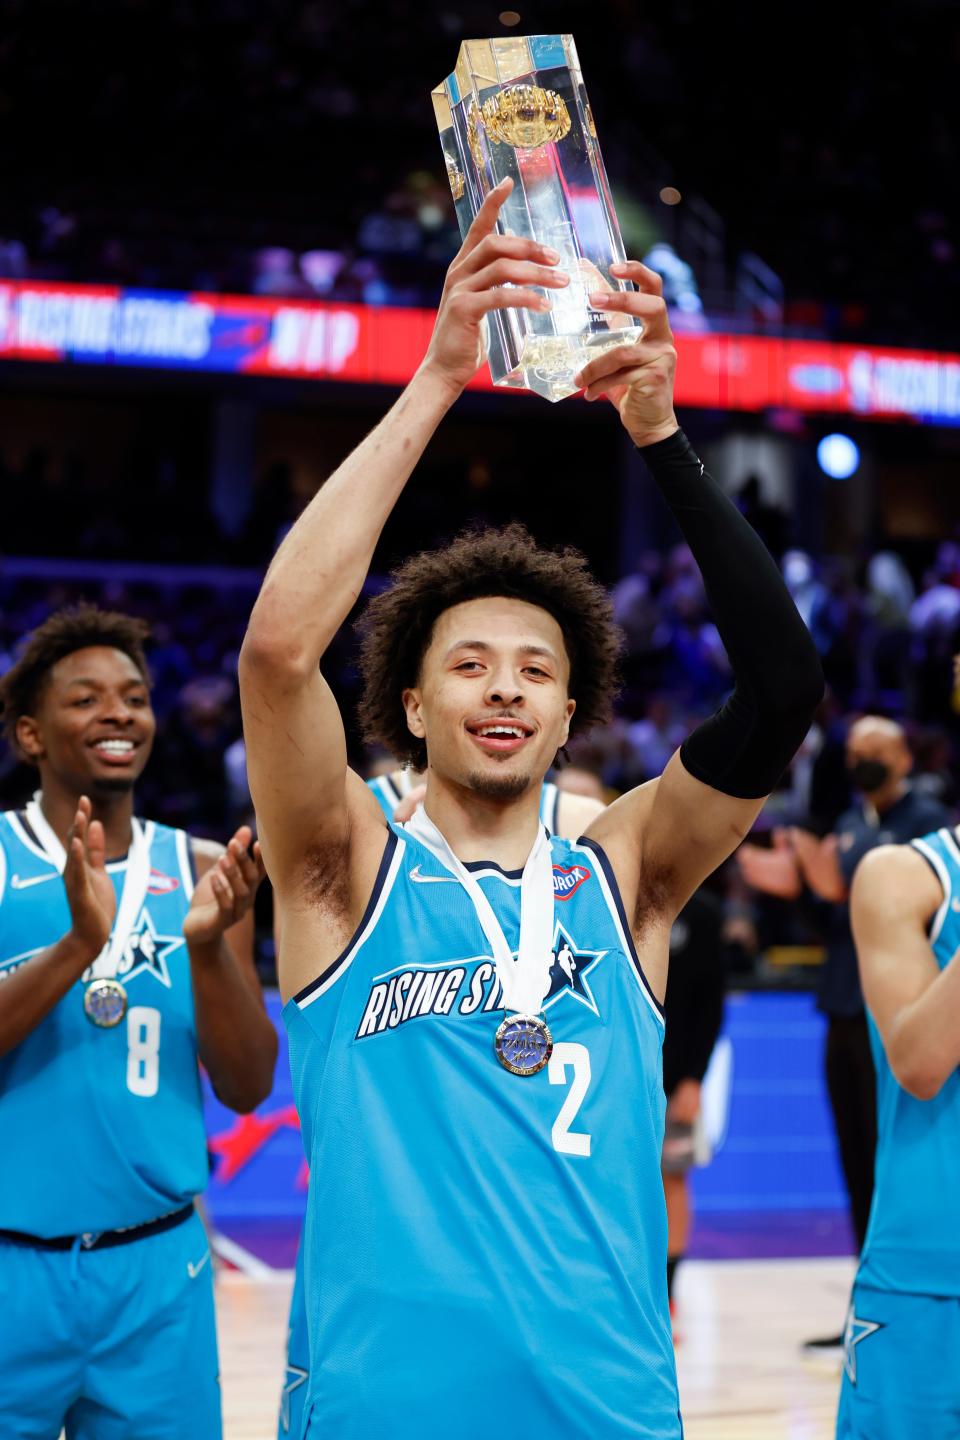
point(296, 748)
point(671, 833)
point(308, 805)
point(915, 1004)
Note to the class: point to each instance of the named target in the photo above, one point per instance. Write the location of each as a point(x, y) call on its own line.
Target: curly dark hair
point(61, 634)
point(397, 626)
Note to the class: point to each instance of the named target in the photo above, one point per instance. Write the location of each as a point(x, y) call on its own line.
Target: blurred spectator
point(679, 288)
point(303, 114)
point(578, 780)
point(199, 729)
point(277, 272)
point(937, 609)
point(809, 596)
point(885, 652)
point(654, 738)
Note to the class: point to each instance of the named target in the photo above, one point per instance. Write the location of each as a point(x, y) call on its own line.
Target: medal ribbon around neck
point(525, 981)
point(135, 884)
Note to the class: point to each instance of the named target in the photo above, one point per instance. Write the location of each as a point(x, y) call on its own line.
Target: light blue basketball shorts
point(111, 1344)
point(901, 1367)
point(294, 1395)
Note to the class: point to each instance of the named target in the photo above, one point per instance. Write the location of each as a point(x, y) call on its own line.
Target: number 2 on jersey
point(577, 1057)
point(143, 1050)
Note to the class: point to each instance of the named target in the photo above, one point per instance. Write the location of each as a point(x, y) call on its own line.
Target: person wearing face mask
point(888, 811)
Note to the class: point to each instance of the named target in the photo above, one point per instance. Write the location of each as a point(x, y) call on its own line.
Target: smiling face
point(491, 702)
point(93, 725)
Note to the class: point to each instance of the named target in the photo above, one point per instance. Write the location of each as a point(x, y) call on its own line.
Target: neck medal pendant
point(523, 1044)
point(105, 1003)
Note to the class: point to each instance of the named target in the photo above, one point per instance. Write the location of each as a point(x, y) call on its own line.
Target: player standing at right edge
point(902, 1338)
point(485, 1242)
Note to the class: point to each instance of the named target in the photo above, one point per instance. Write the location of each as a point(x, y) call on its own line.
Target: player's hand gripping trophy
point(516, 107)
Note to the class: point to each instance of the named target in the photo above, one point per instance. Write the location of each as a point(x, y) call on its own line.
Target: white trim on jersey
point(13, 820)
point(434, 965)
point(342, 965)
point(626, 942)
point(491, 872)
point(186, 864)
point(3, 870)
point(950, 840)
point(940, 870)
point(24, 955)
point(112, 866)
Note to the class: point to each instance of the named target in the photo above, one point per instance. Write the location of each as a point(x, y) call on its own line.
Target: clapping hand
point(225, 892)
point(773, 872)
point(90, 893)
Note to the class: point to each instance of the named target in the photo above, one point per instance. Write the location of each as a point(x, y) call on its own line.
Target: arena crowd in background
point(286, 103)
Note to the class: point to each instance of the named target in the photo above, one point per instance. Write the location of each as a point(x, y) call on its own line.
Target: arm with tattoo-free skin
point(915, 1004)
point(321, 828)
point(236, 1039)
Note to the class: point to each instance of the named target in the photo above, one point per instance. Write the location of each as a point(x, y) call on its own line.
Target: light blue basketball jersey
point(483, 1248)
point(389, 797)
point(101, 1128)
point(913, 1238)
point(294, 1393)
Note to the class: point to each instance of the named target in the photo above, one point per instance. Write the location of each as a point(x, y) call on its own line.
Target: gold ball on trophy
point(526, 116)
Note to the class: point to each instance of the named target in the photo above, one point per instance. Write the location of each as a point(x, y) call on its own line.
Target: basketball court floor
point(741, 1324)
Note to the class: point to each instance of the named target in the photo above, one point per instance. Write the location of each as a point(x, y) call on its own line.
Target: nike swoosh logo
point(194, 1270)
point(16, 883)
point(432, 879)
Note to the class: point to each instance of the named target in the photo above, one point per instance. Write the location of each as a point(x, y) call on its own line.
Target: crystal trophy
point(517, 106)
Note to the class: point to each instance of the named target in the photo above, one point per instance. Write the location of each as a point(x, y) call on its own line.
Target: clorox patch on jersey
point(567, 879)
point(161, 884)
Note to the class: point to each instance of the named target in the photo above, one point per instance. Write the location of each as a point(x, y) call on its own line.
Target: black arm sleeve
point(744, 748)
